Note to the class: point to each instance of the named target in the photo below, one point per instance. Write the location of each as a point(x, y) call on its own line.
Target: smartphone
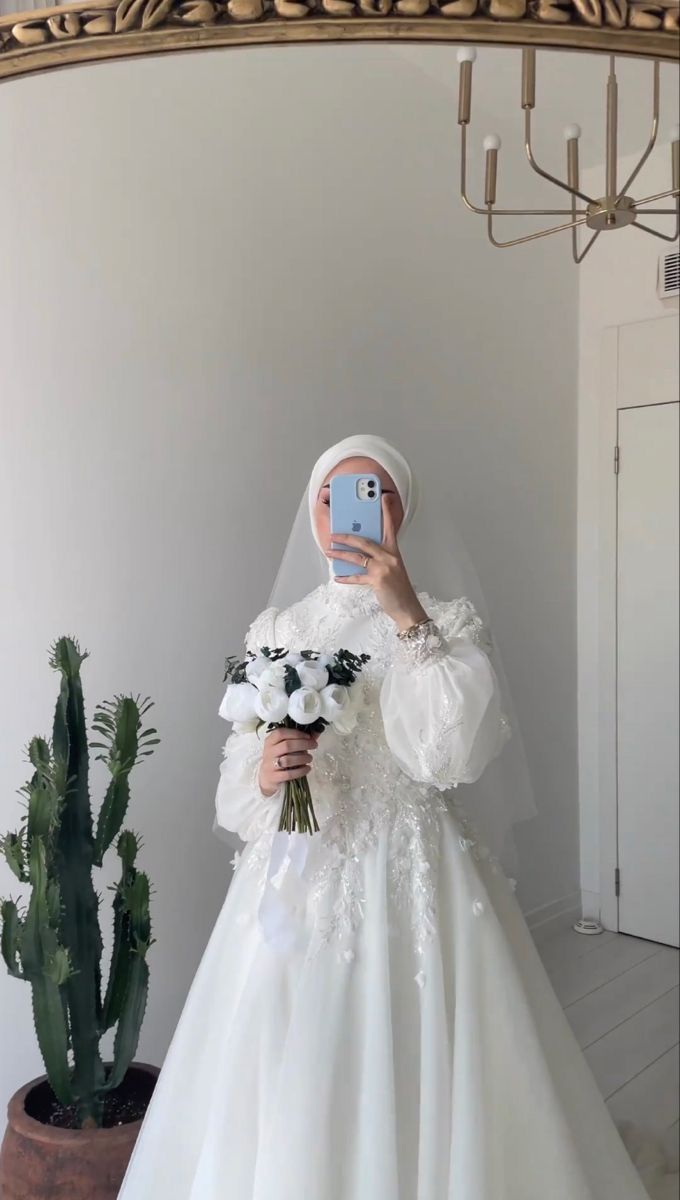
point(355, 508)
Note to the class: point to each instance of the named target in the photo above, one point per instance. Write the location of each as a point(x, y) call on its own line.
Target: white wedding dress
point(407, 1044)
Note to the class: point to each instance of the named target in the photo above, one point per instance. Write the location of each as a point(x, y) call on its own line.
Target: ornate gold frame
point(94, 30)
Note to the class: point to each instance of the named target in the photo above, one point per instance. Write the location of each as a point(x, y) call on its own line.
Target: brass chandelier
point(613, 210)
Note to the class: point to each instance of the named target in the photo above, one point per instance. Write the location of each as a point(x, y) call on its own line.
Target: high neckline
point(351, 598)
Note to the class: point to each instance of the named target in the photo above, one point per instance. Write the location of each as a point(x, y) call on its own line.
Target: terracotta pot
point(43, 1162)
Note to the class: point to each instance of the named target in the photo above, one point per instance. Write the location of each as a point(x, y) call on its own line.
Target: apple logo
point(356, 526)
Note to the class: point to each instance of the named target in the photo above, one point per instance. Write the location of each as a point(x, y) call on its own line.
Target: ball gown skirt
point(405, 1043)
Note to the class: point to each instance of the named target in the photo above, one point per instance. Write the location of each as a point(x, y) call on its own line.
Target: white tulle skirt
point(308, 1077)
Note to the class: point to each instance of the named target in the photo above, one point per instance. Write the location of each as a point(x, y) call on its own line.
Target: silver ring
point(277, 763)
point(367, 559)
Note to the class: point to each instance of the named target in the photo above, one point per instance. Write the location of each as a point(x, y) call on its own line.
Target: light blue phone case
point(350, 513)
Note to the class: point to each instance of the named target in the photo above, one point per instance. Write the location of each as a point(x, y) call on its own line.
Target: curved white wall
point(216, 265)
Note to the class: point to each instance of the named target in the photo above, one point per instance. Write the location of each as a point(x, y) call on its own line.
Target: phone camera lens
point(371, 483)
point(371, 495)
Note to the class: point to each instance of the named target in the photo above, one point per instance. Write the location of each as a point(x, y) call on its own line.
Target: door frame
point(607, 630)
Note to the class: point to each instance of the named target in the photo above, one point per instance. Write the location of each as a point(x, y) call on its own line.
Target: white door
point(648, 780)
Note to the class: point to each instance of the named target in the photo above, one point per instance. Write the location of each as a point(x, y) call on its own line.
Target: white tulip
point(271, 703)
point(304, 705)
point(273, 676)
point(238, 703)
point(346, 718)
point(256, 667)
point(334, 701)
point(293, 658)
point(312, 675)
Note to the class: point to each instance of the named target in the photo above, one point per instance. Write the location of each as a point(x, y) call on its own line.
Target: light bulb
point(492, 142)
point(572, 132)
point(466, 54)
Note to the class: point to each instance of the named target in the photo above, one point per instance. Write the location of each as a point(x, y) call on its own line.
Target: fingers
point(270, 780)
point(287, 755)
point(285, 762)
point(292, 739)
point(365, 545)
point(389, 536)
point(347, 556)
point(293, 773)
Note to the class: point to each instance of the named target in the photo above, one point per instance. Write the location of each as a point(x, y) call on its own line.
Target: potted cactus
point(71, 1131)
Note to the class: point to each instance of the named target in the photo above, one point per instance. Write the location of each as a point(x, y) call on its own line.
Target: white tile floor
point(621, 997)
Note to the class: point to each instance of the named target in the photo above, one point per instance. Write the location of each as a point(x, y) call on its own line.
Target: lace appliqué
point(424, 646)
point(337, 886)
point(434, 754)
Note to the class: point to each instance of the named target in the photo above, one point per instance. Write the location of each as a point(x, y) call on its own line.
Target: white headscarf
point(366, 446)
point(438, 562)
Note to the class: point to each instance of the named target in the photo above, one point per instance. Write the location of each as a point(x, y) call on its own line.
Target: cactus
point(55, 945)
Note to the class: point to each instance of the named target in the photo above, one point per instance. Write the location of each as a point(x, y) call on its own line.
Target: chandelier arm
point(574, 233)
point(652, 137)
point(539, 170)
point(665, 237)
point(659, 196)
point(578, 258)
point(504, 212)
point(529, 237)
point(535, 212)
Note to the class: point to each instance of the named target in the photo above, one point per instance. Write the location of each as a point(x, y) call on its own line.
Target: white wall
point(218, 265)
point(617, 286)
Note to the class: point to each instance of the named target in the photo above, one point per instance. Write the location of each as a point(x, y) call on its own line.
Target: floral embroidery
point(426, 645)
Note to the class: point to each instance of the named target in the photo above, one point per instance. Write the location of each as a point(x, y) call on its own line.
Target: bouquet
point(302, 690)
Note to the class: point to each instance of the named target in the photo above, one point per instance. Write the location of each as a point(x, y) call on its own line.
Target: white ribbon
point(285, 891)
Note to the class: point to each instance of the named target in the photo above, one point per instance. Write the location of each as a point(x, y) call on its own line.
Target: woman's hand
point(286, 754)
point(385, 572)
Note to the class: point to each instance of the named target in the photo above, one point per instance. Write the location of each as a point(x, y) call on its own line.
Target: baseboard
point(557, 913)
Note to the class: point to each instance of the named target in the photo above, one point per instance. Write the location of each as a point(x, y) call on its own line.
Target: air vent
point(669, 275)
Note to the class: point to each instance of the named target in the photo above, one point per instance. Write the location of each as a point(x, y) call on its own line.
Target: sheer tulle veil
point(439, 564)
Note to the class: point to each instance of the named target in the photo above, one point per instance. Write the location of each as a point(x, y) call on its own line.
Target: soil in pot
point(128, 1102)
point(45, 1156)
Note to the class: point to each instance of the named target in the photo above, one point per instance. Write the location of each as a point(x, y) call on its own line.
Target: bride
point(371, 1019)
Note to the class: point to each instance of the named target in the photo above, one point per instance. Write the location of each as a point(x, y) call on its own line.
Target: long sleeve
point(440, 700)
point(240, 805)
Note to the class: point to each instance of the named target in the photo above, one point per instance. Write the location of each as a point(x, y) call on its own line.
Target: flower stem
point(298, 809)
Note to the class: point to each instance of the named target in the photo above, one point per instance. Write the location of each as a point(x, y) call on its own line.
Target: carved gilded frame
point(94, 30)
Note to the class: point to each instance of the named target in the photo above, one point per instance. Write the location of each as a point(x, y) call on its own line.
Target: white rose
point(273, 676)
point(312, 675)
point(304, 705)
point(271, 703)
point(256, 667)
point(346, 718)
point(293, 658)
point(334, 702)
point(238, 703)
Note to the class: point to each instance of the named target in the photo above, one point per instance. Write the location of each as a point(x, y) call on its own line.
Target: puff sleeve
point(240, 805)
point(440, 699)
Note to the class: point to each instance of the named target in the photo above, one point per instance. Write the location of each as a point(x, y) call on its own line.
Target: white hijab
point(438, 563)
point(382, 453)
